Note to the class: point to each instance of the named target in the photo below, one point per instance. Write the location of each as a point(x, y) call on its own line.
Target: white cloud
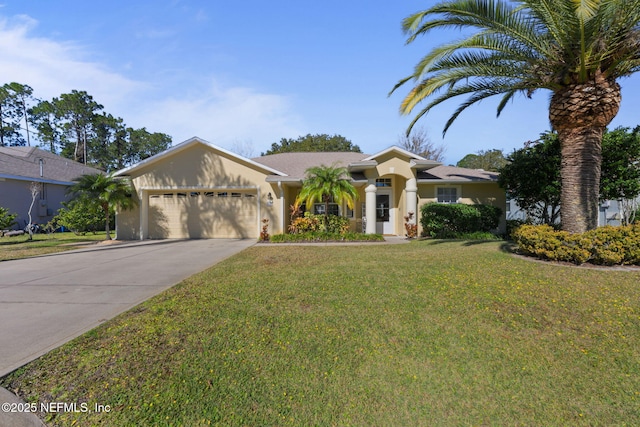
point(52, 67)
point(220, 114)
point(225, 115)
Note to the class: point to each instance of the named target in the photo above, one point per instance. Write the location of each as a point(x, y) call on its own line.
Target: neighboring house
point(198, 190)
point(608, 212)
point(20, 166)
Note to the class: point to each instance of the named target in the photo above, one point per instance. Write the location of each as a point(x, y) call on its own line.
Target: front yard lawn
point(422, 334)
point(17, 247)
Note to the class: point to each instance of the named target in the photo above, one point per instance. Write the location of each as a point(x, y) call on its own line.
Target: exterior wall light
point(269, 200)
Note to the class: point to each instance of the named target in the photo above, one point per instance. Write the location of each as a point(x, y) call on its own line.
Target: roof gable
point(394, 149)
point(189, 143)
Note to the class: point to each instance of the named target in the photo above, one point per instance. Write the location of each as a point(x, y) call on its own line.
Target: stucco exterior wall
point(469, 193)
point(128, 222)
point(15, 195)
point(201, 169)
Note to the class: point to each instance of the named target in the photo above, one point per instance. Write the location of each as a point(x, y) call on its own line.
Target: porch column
point(412, 198)
point(370, 200)
point(144, 214)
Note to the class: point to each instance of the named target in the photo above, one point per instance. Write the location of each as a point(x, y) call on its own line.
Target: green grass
point(18, 247)
point(423, 334)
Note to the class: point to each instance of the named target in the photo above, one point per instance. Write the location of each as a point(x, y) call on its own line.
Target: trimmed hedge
point(445, 221)
point(319, 236)
point(310, 223)
point(607, 245)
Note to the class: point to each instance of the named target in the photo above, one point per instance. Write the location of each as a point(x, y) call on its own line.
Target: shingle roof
point(453, 173)
point(25, 162)
point(295, 164)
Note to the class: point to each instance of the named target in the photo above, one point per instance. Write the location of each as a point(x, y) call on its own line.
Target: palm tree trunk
point(580, 174)
point(106, 221)
point(580, 113)
point(326, 215)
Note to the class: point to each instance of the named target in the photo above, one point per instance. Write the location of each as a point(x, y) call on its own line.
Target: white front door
point(384, 213)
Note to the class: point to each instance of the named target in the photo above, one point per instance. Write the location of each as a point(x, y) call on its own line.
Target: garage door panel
point(205, 215)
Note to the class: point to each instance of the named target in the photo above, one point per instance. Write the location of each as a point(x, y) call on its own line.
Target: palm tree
point(577, 49)
point(106, 190)
point(326, 184)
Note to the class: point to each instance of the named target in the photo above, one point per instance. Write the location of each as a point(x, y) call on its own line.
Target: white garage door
point(203, 214)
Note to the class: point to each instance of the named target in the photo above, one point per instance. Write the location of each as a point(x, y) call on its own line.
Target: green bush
point(7, 220)
point(450, 220)
point(81, 216)
point(310, 223)
point(321, 236)
point(604, 246)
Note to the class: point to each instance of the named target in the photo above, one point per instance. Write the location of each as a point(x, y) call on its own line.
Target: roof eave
point(283, 179)
point(35, 179)
point(456, 181)
point(422, 165)
point(362, 166)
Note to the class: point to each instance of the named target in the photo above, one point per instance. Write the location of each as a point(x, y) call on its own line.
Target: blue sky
point(249, 73)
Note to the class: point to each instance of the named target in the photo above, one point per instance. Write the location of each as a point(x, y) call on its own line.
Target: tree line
point(74, 126)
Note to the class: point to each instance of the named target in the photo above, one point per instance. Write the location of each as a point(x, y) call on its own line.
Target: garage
point(203, 214)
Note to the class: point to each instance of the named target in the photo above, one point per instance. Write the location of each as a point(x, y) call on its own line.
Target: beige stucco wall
point(201, 168)
point(391, 163)
point(470, 193)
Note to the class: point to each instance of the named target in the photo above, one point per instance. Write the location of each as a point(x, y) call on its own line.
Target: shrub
point(411, 229)
point(448, 220)
point(7, 220)
point(310, 223)
point(264, 233)
point(605, 245)
point(80, 216)
point(321, 236)
point(513, 224)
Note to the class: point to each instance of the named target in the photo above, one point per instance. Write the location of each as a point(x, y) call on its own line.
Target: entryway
point(384, 213)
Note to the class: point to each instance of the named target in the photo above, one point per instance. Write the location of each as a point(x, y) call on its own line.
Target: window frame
point(455, 188)
point(320, 211)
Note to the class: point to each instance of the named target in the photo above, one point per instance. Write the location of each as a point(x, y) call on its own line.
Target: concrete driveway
point(47, 301)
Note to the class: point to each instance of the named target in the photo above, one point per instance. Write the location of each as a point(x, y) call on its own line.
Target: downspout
point(281, 206)
point(259, 197)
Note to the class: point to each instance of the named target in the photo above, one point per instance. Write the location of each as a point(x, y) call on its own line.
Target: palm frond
point(519, 46)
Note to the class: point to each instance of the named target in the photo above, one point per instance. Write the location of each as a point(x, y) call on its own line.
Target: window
point(209, 194)
point(168, 195)
point(248, 195)
point(182, 195)
point(222, 194)
point(350, 212)
point(195, 194)
point(383, 182)
point(447, 195)
point(236, 194)
point(318, 209)
point(155, 196)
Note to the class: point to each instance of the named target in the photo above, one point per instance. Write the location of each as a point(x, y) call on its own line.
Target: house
point(21, 166)
point(198, 190)
point(609, 211)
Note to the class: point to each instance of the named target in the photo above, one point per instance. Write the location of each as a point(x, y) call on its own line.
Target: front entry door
point(384, 220)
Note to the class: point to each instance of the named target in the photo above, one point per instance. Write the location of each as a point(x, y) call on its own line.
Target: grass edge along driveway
point(430, 333)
